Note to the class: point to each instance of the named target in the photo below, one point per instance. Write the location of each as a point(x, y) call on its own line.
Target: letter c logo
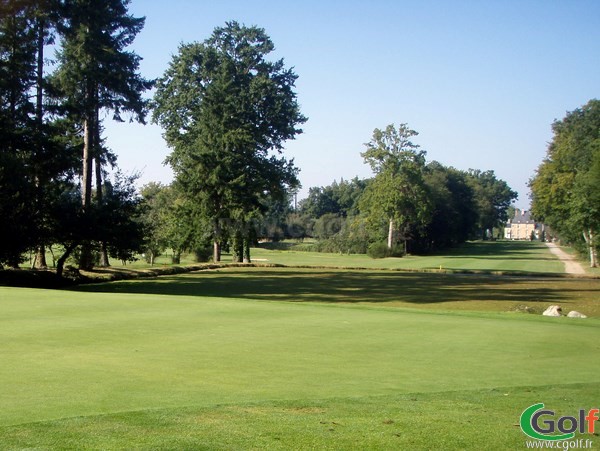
point(533, 431)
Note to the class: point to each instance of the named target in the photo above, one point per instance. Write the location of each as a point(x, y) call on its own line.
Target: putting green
point(67, 354)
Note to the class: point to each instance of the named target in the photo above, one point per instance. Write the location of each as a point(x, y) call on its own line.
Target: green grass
point(483, 256)
point(431, 291)
point(502, 256)
point(291, 359)
point(472, 419)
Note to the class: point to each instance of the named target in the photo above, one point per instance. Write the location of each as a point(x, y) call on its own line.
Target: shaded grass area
point(498, 258)
point(397, 289)
point(472, 419)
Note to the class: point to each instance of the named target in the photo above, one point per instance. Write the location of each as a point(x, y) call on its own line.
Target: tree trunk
point(246, 250)
point(86, 180)
point(104, 262)
point(390, 241)
point(216, 251)
point(40, 257)
point(176, 258)
point(60, 263)
point(216, 242)
point(39, 113)
point(589, 238)
point(85, 261)
point(237, 247)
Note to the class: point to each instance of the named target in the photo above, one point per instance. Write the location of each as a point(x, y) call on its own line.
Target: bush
point(377, 250)
point(380, 250)
point(203, 254)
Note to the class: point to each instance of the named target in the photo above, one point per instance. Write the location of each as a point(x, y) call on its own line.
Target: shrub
point(377, 250)
point(380, 250)
point(203, 254)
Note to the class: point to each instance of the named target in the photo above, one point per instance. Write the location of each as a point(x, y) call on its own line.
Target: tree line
point(226, 108)
point(409, 205)
point(54, 181)
point(565, 190)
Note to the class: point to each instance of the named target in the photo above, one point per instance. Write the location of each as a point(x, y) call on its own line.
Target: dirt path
point(572, 266)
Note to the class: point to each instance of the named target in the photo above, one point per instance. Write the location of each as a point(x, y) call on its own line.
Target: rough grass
point(471, 419)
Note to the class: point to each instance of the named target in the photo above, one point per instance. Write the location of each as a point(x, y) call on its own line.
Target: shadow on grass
point(501, 250)
point(332, 286)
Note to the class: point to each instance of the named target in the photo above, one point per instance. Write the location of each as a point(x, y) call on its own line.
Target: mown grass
point(501, 256)
point(290, 359)
point(300, 358)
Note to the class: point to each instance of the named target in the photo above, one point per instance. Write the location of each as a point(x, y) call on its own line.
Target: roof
point(522, 217)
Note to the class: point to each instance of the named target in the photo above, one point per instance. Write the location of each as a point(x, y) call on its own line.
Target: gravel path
point(572, 266)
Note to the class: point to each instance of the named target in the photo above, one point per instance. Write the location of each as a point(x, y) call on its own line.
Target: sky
point(481, 81)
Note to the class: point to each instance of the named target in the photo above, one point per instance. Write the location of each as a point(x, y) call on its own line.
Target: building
point(522, 227)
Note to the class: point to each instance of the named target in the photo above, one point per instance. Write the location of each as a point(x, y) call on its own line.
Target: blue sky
point(481, 81)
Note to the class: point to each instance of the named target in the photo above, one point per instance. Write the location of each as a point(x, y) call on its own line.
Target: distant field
point(514, 256)
point(500, 256)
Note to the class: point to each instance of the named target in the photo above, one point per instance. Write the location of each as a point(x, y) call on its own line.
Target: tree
point(398, 193)
point(493, 196)
point(454, 211)
point(564, 190)
point(154, 206)
point(169, 222)
point(227, 111)
point(97, 72)
point(340, 198)
point(44, 151)
point(22, 33)
point(120, 227)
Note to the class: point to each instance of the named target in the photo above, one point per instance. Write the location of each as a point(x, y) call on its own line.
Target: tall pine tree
point(96, 73)
point(17, 126)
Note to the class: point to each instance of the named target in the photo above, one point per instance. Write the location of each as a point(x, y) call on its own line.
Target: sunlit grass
point(503, 256)
point(232, 359)
point(296, 358)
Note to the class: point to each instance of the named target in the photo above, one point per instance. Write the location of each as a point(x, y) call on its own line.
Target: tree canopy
point(227, 108)
point(50, 131)
point(398, 193)
point(564, 190)
point(227, 111)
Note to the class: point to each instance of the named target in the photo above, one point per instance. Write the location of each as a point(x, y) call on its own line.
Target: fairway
point(216, 357)
point(483, 256)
